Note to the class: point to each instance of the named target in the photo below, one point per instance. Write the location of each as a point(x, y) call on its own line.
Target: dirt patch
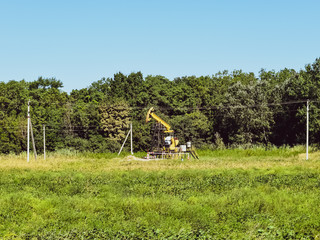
point(133, 158)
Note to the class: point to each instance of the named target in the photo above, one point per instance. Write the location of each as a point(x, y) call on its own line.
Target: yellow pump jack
point(170, 145)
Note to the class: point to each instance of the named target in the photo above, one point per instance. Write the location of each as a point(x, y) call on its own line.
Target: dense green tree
point(45, 83)
point(246, 117)
point(47, 103)
point(156, 94)
point(191, 127)
point(236, 107)
point(115, 119)
point(13, 113)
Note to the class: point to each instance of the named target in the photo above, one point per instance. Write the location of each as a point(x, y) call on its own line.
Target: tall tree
point(115, 119)
point(245, 115)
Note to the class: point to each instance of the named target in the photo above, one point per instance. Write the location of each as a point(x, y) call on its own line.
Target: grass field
point(227, 194)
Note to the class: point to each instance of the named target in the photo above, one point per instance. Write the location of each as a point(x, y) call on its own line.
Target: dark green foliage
point(246, 117)
point(241, 108)
point(192, 127)
point(114, 119)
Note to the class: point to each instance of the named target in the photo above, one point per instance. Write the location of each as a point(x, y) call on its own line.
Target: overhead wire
point(190, 108)
point(55, 127)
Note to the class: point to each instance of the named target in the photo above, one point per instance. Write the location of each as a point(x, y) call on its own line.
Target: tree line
point(228, 109)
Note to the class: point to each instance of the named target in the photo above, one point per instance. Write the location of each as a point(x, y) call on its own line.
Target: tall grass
point(235, 195)
point(258, 151)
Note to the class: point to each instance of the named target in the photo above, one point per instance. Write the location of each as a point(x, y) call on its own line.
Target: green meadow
point(227, 194)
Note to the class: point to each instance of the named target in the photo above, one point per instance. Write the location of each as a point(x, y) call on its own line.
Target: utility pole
point(131, 138)
point(44, 141)
point(28, 133)
point(307, 138)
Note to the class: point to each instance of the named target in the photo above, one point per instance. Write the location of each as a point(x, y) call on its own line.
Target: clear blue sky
point(79, 42)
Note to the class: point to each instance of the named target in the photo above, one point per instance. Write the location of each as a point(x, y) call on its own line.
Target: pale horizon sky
point(80, 42)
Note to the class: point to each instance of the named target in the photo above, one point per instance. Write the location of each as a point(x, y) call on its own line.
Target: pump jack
point(164, 144)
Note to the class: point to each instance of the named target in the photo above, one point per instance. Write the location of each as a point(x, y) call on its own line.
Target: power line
point(76, 128)
point(182, 108)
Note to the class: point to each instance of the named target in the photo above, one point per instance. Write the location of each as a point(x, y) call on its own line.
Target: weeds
point(246, 194)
